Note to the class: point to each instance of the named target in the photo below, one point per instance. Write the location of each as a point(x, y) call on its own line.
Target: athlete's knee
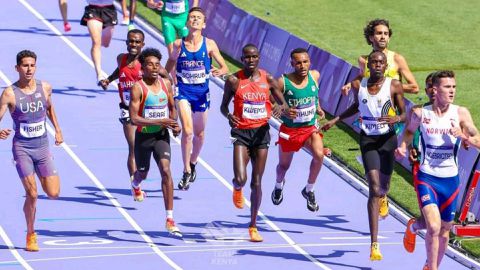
point(31, 194)
point(141, 174)
point(165, 171)
point(200, 135)
point(375, 190)
point(318, 155)
point(434, 229)
point(283, 167)
point(240, 179)
point(256, 183)
point(187, 133)
point(53, 194)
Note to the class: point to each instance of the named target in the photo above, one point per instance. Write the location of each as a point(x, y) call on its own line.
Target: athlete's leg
point(374, 194)
point(443, 240)
point(315, 145)
point(199, 124)
point(64, 11)
point(185, 113)
point(240, 161)
point(51, 185)
point(284, 162)
point(95, 30)
point(30, 205)
point(259, 159)
point(129, 132)
point(107, 34)
point(124, 12)
point(133, 10)
point(167, 183)
point(434, 227)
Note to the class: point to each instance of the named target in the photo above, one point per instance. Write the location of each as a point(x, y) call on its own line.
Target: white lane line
point(107, 194)
point(10, 245)
point(351, 237)
point(227, 248)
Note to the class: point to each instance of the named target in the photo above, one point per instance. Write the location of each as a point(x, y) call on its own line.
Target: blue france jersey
point(193, 69)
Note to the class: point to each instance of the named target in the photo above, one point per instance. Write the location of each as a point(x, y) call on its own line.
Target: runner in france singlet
point(193, 69)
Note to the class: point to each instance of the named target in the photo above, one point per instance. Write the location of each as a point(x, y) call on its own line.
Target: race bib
point(126, 97)
point(156, 112)
point(32, 130)
point(194, 76)
point(255, 110)
point(305, 115)
point(175, 7)
point(371, 126)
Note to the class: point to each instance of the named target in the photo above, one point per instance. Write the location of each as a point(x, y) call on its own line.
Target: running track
point(95, 224)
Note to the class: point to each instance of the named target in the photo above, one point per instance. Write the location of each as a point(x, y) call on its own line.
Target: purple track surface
point(95, 224)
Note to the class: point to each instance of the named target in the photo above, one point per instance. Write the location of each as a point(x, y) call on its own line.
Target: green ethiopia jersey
point(305, 100)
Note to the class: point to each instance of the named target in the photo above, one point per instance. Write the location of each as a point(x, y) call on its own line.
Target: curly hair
point(369, 29)
point(149, 52)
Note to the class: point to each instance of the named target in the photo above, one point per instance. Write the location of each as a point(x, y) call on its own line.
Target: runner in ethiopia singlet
point(305, 101)
point(30, 143)
point(193, 73)
point(438, 176)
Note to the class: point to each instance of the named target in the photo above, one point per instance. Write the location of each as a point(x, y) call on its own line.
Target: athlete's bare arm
point(172, 59)
point(171, 108)
point(6, 100)
point(411, 85)
point(47, 90)
point(214, 53)
point(411, 126)
point(316, 77)
point(229, 88)
point(350, 111)
point(137, 120)
point(470, 132)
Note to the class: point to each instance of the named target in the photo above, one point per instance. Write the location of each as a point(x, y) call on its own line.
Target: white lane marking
point(10, 245)
point(261, 215)
point(105, 192)
point(351, 237)
point(81, 243)
point(250, 247)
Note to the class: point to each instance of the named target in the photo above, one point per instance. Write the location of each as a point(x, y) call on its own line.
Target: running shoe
point(375, 254)
point(310, 197)
point(254, 235)
point(138, 194)
point(32, 244)
point(67, 27)
point(193, 172)
point(409, 237)
point(172, 228)
point(383, 202)
point(238, 198)
point(131, 26)
point(277, 196)
point(425, 267)
point(184, 183)
point(125, 20)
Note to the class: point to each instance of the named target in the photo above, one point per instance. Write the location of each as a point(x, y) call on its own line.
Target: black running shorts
point(147, 143)
point(105, 14)
point(251, 138)
point(378, 152)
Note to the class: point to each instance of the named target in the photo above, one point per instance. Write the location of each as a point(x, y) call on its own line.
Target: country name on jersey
point(192, 63)
point(294, 102)
point(32, 106)
point(254, 96)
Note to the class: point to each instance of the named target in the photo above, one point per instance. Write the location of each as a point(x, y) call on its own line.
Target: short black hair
point(428, 80)
point(136, 31)
point(442, 74)
point(25, 54)
point(369, 29)
point(376, 52)
point(147, 53)
point(298, 50)
point(249, 45)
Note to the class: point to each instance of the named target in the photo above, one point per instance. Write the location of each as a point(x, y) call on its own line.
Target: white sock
point(309, 187)
point(279, 185)
point(170, 214)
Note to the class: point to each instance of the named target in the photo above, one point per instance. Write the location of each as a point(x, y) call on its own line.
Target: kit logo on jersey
point(183, 54)
point(123, 75)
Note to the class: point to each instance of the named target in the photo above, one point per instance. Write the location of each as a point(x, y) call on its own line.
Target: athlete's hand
point(176, 131)
point(290, 113)
point(233, 121)
point(215, 71)
point(346, 89)
point(328, 125)
point(155, 4)
point(104, 83)
point(321, 114)
point(169, 123)
point(389, 119)
point(278, 110)
point(4, 133)
point(457, 132)
point(401, 152)
point(58, 138)
point(413, 155)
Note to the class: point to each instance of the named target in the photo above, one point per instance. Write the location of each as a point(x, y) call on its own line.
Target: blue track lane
point(95, 224)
